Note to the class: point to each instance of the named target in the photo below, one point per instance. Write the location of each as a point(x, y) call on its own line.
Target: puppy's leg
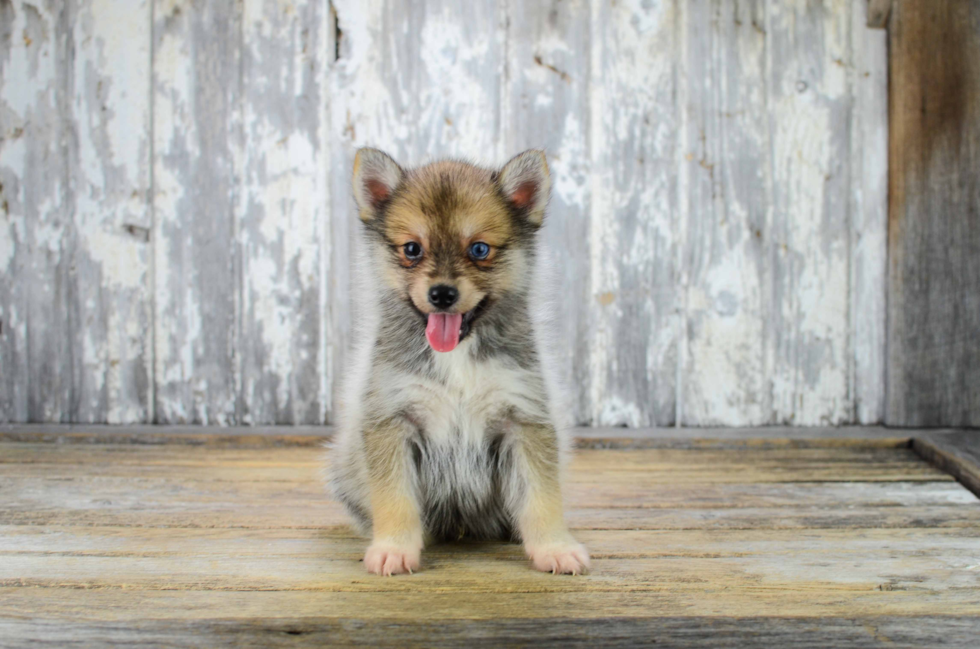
point(396, 546)
point(537, 504)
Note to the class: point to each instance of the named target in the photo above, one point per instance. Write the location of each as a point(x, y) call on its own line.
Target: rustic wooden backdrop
point(176, 216)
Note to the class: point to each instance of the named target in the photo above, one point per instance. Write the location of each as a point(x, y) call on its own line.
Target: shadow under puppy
point(446, 428)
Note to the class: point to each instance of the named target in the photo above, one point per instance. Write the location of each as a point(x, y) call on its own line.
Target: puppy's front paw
point(387, 558)
point(559, 558)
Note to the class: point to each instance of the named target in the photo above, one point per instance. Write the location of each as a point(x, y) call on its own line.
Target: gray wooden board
point(635, 221)
point(283, 214)
point(728, 175)
point(270, 561)
point(35, 171)
point(693, 631)
point(111, 295)
point(584, 437)
point(197, 151)
point(934, 214)
point(74, 320)
point(808, 253)
point(868, 76)
point(178, 227)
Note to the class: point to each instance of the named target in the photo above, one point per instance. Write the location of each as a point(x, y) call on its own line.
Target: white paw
point(387, 558)
point(559, 558)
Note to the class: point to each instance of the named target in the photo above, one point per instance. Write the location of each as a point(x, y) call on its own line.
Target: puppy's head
point(452, 238)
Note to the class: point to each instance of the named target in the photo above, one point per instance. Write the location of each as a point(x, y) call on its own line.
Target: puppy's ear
point(526, 184)
point(376, 175)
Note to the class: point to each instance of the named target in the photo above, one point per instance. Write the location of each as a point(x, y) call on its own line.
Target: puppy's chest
point(466, 397)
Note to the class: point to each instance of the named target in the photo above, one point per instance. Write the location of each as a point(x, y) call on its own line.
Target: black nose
point(442, 296)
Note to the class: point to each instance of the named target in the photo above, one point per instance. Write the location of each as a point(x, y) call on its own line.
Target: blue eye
point(412, 250)
point(479, 250)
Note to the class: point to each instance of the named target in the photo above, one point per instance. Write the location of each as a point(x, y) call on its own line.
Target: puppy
point(446, 428)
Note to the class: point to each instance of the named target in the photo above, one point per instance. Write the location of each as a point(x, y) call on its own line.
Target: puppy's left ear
point(526, 184)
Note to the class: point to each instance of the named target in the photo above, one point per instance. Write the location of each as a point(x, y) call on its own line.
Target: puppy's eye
point(479, 251)
point(412, 250)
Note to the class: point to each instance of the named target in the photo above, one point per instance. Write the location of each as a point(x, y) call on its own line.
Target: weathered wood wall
point(176, 216)
point(934, 214)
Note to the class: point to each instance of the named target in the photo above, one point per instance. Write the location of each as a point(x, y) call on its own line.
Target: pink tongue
point(443, 331)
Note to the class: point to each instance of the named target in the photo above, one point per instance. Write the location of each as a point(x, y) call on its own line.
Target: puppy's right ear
point(376, 175)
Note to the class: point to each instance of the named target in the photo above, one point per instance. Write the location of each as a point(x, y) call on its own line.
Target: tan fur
point(478, 216)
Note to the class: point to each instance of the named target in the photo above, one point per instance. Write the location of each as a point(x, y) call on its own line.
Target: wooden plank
point(934, 214)
point(585, 438)
point(55, 493)
point(36, 205)
point(132, 605)
point(284, 215)
point(269, 503)
point(637, 472)
point(546, 107)
point(955, 453)
point(18, 94)
point(110, 294)
point(635, 219)
point(754, 437)
point(614, 631)
point(63, 542)
point(878, 12)
point(808, 246)
point(777, 472)
point(728, 180)
point(680, 458)
point(197, 151)
point(787, 518)
point(336, 567)
point(328, 516)
point(868, 207)
point(241, 436)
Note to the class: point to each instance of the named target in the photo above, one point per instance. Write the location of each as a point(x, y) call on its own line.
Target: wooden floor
point(232, 541)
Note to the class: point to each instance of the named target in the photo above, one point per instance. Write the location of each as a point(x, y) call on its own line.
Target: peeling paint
point(716, 220)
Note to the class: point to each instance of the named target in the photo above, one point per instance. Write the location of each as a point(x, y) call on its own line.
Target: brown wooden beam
point(933, 347)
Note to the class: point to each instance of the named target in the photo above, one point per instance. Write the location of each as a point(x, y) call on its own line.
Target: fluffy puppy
point(446, 428)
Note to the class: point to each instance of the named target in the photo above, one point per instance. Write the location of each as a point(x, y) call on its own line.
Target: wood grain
point(180, 544)
point(249, 436)
point(283, 213)
point(934, 214)
point(111, 299)
point(634, 220)
point(621, 631)
point(36, 208)
point(809, 244)
point(197, 166)
point(728, 176)
point(868, 80)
